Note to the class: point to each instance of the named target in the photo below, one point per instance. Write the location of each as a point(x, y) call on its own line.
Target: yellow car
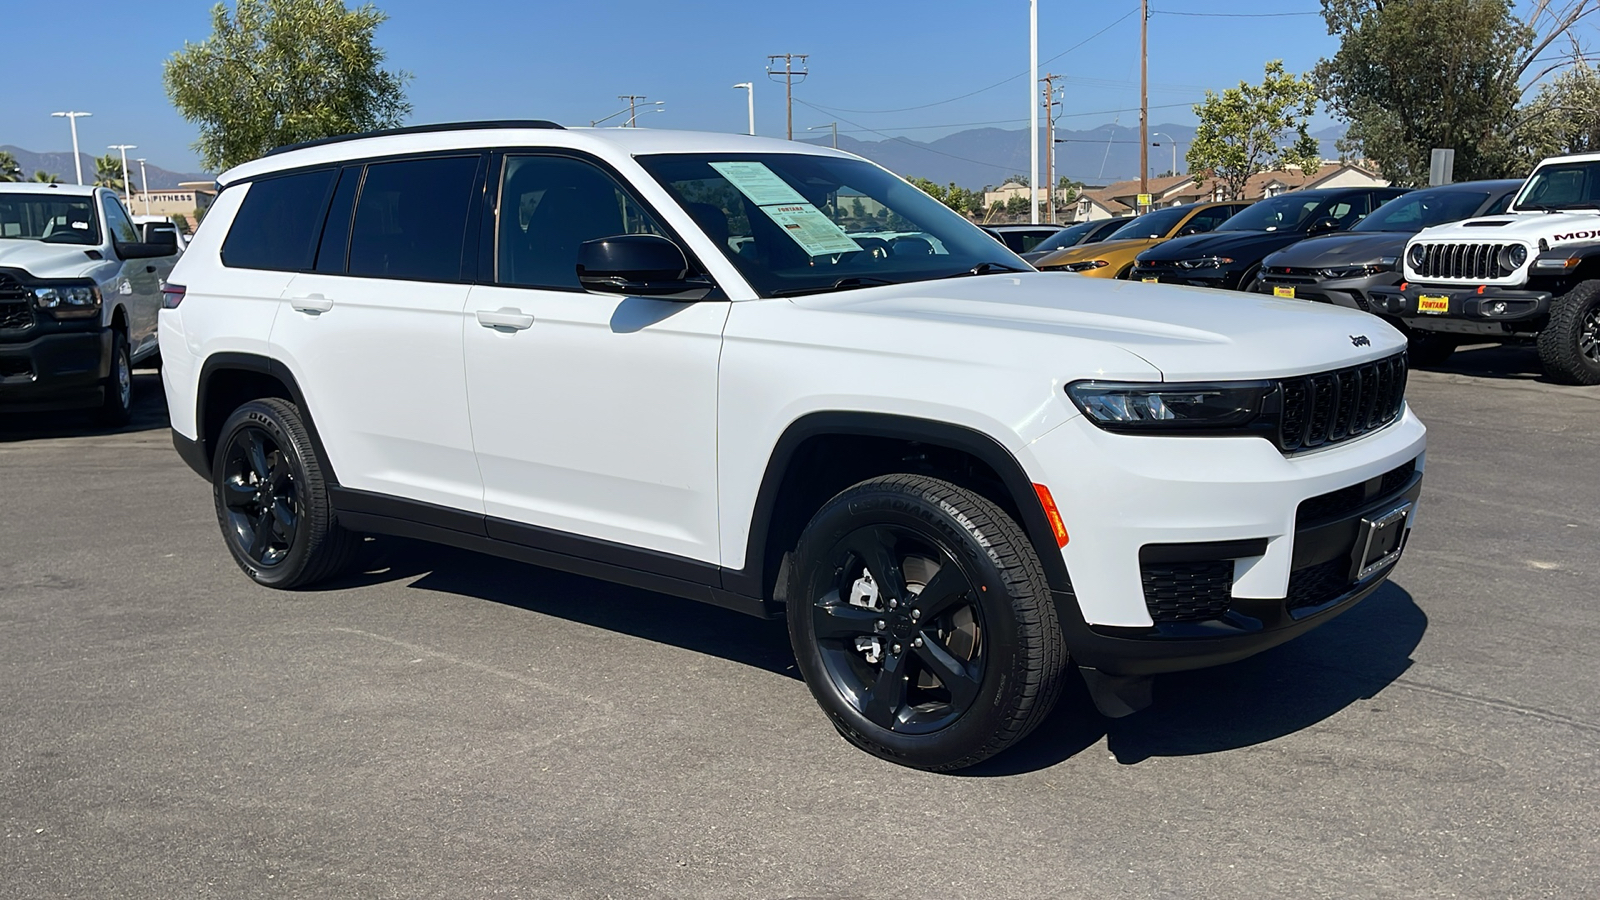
point(1113, 257)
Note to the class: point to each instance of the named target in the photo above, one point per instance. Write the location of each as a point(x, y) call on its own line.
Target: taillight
point(172, 295)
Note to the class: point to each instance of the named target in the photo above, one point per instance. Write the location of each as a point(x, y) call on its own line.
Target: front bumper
point(1488, 311)
point(1224, 278)
point(1268, 538)
point(1351, 293)
point(61, 370)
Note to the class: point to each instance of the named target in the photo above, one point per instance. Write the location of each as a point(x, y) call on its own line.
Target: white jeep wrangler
point(679, 361)
point(79, 296)
point(1530, 275)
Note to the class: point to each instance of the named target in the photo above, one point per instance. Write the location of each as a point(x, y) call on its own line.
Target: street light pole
point(73, 118)
point(750, 98)
point(127, 187)
point(144, 186)
point(834, 126)
point(1174, 144)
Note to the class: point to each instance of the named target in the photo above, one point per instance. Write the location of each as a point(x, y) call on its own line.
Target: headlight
point(1086, 266)
point(1383, 265)
point(1204, 262)
point(1514, 256)
point(1169, 407)
point(1415, 255)
point(76, 301)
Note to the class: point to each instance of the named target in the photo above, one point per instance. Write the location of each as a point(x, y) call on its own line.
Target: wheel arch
point(229, 380)
point(822, 453)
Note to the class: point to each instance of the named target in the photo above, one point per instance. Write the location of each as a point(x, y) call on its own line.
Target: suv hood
point(1350, 248)
point(1189, 334)
point(43, 260)
point(1529, 228)
point(1241, 245)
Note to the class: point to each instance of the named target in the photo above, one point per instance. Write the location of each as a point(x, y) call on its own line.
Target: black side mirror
point(1192, 229)
point(1324, 225)
point(130, 250)
point(644, 265)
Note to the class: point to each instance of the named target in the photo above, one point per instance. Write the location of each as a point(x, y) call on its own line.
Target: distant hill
point(986, 156)
point(60, 165)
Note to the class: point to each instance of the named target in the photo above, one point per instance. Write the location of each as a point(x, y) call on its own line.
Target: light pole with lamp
point(650, 107)
point(73, 118)
point(127, 187)
point(834, 126)
point(1174, 144)
point(750, 99)
point(144, 185)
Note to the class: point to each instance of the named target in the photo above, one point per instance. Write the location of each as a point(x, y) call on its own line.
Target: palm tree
point(9, 170)
point(43, 177)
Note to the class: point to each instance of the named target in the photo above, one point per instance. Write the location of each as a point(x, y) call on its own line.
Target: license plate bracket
point(1433, 303)
point(1286, 293)
point(1379, 541)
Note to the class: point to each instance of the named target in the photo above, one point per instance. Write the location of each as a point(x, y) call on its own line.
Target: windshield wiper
point(985, 268)
point(843, 284)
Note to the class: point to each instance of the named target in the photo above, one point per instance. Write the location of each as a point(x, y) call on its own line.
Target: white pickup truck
point(79, 294)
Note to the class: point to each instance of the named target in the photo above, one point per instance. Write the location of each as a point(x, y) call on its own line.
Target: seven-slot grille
point(1330, 407)
point(1466, 261)
point(15, 310)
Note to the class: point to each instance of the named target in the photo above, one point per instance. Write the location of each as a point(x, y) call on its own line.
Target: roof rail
point(419, 129)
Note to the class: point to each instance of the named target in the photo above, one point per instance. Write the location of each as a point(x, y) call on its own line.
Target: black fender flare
point(263, 365)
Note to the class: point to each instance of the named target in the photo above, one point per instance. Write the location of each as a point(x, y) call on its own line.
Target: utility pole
point(1144, 96)
point(789, 75)
point(631, 99)
point(73, 118)
point(127, 188)
point(1049, 82)
point(1033, 133)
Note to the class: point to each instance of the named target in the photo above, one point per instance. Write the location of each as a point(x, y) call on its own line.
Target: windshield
point(1286, 212)
point(1563, 186)
point(52, 218)
point(1151, 224)
point(794, 223)
point(1070, 236)
point(1422, 209)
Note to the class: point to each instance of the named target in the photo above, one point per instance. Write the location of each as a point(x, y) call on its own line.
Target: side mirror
point(129, 250)
point(1324, 225)
point(644, 265)
point(1192, 229)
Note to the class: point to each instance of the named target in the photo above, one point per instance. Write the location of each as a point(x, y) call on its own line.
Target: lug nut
point(915, 615)
point(896, 648)
point(917, 642)
point(882, 625)
point(893, 603)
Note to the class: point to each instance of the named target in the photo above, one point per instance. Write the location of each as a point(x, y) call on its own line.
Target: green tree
point(1565, 115)
point(1241, 130)
point(9, 169)
point(278, 72)
point(108, 172)
point(1016, 205)
point(40, 176)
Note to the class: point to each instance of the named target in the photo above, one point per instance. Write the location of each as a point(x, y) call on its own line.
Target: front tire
point(116, 409)
point(922, 623)
point(1569, 345)
point(272, 499)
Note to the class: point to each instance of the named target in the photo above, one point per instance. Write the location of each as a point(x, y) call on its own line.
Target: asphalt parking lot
point(450, 725)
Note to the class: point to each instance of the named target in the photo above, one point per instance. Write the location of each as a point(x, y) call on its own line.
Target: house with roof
point(1121, 199)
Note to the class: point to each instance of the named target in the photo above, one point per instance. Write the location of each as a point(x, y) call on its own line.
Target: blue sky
point(569, 61)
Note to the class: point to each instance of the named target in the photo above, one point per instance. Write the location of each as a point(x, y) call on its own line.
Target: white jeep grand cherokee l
point(778, 378)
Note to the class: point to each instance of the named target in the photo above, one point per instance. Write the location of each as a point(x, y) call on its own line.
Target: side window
point(277, 223)
point(1208, 219)
point(117, 221)
point(551, 204)
point(411, 219)
point(336, 232)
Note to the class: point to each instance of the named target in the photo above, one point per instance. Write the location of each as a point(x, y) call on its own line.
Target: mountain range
point(60, 165)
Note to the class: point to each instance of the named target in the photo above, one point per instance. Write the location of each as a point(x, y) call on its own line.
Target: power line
point(1096, 112)
point(991, 87)
point(1209, 15)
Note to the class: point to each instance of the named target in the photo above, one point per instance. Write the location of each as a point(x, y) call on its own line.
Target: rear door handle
point(311, 303)
point(505, 317)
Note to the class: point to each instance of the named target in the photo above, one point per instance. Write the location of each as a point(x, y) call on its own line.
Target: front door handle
point(311, 303)
point(505, 317)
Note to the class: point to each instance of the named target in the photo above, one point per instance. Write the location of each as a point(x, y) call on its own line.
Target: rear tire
point(1569, 345)
point(922, 623)
point(272, 500)
point(1428, 349)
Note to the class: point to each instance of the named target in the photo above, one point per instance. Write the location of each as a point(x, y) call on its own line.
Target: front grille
point(1476, 262)
point(15, 310)
point(1352, 498)
point(1187, 591)
point(1316, 585)
point(1287, 275)
point(1330, 407)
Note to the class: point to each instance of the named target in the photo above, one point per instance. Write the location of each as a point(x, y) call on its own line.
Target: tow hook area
point(1117, 696)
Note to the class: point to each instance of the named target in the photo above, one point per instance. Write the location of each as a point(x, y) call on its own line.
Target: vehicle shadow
point(1515, 362)
point(149, 414)
point(1276, 693)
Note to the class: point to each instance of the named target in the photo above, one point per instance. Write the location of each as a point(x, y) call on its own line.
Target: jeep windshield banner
point(806, 225)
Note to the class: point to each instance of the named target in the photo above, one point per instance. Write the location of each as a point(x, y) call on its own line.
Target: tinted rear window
point(278, 223)
point(411, 219)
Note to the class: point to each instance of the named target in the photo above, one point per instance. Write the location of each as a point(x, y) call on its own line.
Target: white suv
point(775, 377)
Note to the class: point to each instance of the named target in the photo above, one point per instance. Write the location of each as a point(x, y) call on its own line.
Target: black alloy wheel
point(272, 498)
point(1569, 344)
point(922, 622)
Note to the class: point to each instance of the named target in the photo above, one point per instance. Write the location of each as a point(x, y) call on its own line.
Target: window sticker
point(811, 229)
point(759, 183)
